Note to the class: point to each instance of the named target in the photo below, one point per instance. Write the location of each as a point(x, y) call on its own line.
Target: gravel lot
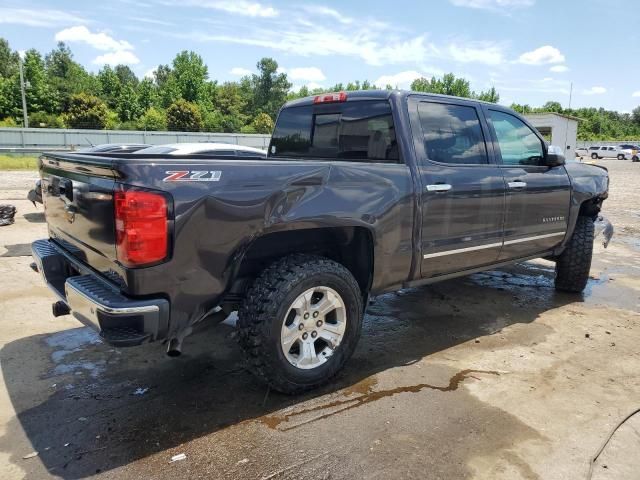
point(493, 376)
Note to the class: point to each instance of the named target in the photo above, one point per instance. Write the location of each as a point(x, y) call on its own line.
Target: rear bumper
point(121, 321)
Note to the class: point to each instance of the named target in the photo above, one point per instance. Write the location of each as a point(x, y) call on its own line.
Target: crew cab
point(361, 193)
point(609, 151)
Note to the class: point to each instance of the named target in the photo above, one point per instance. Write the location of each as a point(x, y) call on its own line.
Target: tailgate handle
point(66, 188)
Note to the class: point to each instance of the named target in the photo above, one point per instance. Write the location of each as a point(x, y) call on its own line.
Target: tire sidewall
point(349, 297)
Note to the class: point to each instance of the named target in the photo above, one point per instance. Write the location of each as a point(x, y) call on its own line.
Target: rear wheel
point(573, 265)
point(635, 158)
point(300, 322)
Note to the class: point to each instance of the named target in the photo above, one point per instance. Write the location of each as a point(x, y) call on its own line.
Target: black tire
point(635, 159)
point(620, 157)
point(267, 305)
point(573, 265)
point(594, 156)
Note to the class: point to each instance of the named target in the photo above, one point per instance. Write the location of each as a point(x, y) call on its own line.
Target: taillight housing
point(142, 227)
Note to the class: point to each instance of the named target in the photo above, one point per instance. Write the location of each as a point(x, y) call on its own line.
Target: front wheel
point(635, 159)
point(594, 156)
point(620, 157)
point(573, 265)
point(300, 322)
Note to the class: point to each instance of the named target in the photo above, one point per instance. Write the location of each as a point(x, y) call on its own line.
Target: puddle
point(365, 394)
point(70, 342)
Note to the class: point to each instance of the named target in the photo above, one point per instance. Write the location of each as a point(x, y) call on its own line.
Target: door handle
point(439, 187)
point(517, 185)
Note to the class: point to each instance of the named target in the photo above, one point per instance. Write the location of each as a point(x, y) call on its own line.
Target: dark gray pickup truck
point(361, 193)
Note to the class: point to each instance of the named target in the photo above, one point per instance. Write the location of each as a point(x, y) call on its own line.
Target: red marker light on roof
point(330, 97)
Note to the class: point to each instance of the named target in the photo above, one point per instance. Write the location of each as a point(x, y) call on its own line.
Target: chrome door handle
point(517, 184)
point(439, 187)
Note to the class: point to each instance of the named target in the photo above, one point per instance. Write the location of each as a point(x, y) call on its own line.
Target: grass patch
point(10, 162)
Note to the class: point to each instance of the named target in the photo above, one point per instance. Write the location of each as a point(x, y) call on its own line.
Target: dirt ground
point(493, 376)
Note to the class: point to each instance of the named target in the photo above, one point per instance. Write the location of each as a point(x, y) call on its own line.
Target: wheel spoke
point(308, 353)
point(289, 337)
point(332, 338)
point(328, 303)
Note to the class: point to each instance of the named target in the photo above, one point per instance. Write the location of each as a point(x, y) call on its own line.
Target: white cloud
point(559, 69)
point(327, 12)
point(124, 57)
point(150, 73)
point(542, 56)
point(37, 17)
point(399, 80)
point(636, 94)
point(241, 72)
point(594, 91)
point(484, 52)
point(312, 74)
point(493, 4)
point(118, 51)
point(236, 7)
point(99, 41)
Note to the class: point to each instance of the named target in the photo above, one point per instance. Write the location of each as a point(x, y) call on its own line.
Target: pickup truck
point(361, 193)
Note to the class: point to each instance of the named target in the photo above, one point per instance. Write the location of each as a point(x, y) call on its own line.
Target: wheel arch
point(349, 245)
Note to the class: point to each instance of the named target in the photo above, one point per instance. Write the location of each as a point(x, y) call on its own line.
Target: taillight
point(141, 227)
point(330, 98)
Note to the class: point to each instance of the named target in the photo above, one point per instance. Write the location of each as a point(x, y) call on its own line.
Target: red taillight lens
point(141, 227)
point(330, 98)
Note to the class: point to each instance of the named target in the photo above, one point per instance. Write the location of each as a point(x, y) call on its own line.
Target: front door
point(537, 200)
point(463, 192)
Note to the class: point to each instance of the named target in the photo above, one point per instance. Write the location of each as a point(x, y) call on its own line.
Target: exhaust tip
point(175, 348)
point(60, 308)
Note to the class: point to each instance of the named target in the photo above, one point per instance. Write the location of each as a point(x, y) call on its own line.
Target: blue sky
point(531, 50)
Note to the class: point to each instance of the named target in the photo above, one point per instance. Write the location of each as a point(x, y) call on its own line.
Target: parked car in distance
point(115, 148)
point(361, 193)
point(204, 148)
point(608, 151)
point(582, 152)
point(634, 151)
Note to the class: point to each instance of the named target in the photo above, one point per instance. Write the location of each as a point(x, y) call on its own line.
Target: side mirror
point(554, 157)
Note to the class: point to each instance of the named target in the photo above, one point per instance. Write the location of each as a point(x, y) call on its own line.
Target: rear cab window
point(358, 131)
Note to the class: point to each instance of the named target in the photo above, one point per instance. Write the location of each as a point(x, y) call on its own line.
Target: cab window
point(452, 134)
point(519, 145)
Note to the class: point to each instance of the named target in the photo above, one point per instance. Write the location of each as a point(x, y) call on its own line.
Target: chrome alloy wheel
point(313, 328)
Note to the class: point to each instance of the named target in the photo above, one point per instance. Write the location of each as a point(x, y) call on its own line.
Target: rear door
point(462, 196)
point(538, 197)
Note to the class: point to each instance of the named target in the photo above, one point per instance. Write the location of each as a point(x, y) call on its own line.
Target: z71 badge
point(192, 176)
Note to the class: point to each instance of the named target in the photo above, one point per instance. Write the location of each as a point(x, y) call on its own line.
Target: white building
point(559, 130)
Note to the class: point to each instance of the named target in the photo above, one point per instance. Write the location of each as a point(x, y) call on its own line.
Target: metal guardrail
point(40, 139)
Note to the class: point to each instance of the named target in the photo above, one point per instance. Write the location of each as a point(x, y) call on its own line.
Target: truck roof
point(380, 95)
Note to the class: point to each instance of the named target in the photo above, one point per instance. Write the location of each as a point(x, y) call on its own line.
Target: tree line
point(180, 96)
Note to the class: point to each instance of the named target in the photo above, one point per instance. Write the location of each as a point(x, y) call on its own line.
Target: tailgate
point(77, 192)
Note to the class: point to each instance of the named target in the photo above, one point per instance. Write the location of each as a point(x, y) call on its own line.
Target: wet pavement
point(492, 376)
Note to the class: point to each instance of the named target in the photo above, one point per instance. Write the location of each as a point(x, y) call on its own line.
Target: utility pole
point(25, 116)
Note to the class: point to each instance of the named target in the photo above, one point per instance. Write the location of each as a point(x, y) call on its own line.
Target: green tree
point(147, 94)
point(110, 86)
point(189, 74)
point(552, 107)
point(183, 116)
point(448, 85)
point(127, 104)
point(262, 123)
point(490, 95)
point(39, 94)
point(45, 120)
point(268, 88)
point(8, 60)
point(635, 115)
point(67, 77)
point(86, 111)
point(152, 120)
point(126, 75)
